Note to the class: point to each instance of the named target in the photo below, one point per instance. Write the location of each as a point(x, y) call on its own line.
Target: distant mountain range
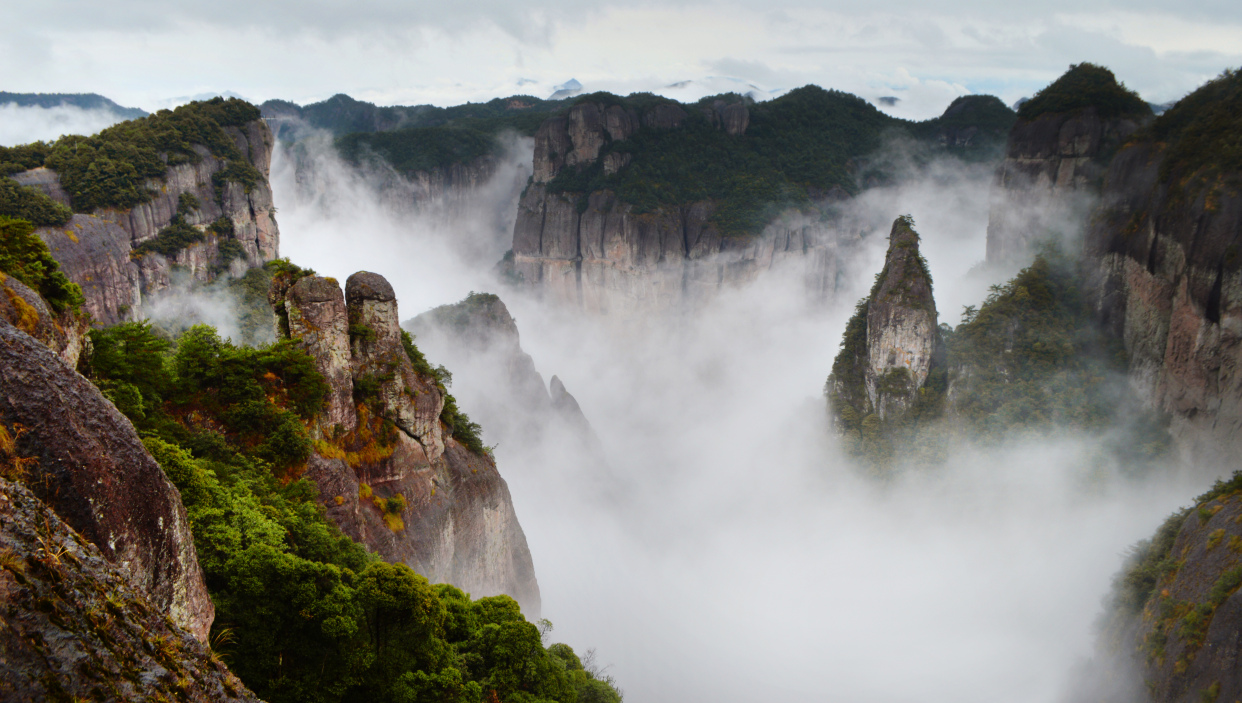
point(86, 101)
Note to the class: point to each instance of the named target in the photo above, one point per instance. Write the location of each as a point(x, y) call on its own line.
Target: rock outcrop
point(398, 481)
point(892, 342)
point(1049, 182)
point(1166, 242)
point(91, 468)
point(482, 339)
point(97, 250)
point(77, 628)
point(603, 255)
point(25, 309)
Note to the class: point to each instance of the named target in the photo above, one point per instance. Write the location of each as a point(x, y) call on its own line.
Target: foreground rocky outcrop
point(99, 250)
point(64, 333)
point(88, 464)
point(892, 341)
point(77, 628)
point(1049, 181)
point(390, 471)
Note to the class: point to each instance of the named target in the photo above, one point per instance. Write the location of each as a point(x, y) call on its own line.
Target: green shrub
point(31, 204)
point(170, 240)
point(25, 257)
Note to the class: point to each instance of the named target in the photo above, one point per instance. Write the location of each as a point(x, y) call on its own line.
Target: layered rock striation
point(88, 464)
point(1166, 243)
point(892, 342)
point(388, 467)
point(98, 250)
point(604, 255)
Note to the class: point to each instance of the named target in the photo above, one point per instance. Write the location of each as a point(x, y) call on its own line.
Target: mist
point(21, 124)
point(738, 556)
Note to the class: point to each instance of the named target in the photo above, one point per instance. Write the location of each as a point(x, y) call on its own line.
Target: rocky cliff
point(499, 378)
point(1056, 154)
point(64, 333)
point(602, 254)
point(76, 627)
point(1166, 242)
point(392, 472)
point(84, 459)
point(892, 341)
point(102, 250)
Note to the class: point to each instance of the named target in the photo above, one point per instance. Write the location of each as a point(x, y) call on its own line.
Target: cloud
point(25, 124)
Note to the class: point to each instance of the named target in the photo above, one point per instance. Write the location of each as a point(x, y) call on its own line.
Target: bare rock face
point(76, 628)
point(25, 309)
point(604, 258)
point(93, 471)
point(1170, 286)
point(96, 250)
point(317, 317)
point(454, 520)
point(412, 401)
point(1048, 183)
point(901, 324)
point(892, 342)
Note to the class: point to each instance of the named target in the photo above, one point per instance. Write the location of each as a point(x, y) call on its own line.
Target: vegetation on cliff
point(113, 167)
point(31, 204)
point(342, 114)
point(25, 257)
point(303, 613)
point(1085, 85)
point(1201, 134)
point(1029, 361)
point(797, 148)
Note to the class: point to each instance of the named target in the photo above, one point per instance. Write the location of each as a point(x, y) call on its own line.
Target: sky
point(151, 54)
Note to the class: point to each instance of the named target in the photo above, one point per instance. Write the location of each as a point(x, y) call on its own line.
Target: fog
point(22, 124)
point(738, 556)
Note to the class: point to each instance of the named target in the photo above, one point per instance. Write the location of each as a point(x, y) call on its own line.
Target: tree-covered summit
point(1086, 85)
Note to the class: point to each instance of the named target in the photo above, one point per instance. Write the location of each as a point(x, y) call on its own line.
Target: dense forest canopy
point(113, 167)
point(303, 613)
point(1085, 85)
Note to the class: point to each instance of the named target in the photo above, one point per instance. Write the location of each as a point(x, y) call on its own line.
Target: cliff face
point(598, 253)
point(90, 467)
point(1166, 240)
point(1049, 180)
point(482, 338)
point(76, 628)
point(391, 475)
point(892, 342)
point(96, 250)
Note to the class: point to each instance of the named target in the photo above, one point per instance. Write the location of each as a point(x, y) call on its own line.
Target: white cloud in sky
point(143, 53)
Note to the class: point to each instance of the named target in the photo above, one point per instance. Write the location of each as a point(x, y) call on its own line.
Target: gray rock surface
point(65, 334)
point(318, 319)
point(95, 250)
point(93, 471)
point(76, 628)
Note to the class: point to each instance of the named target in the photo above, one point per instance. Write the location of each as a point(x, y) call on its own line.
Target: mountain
point(1054, 160)
point(640, 203)
point(183, 192)
point(86, 101)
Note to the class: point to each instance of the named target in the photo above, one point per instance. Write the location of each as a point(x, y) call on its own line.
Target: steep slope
point(188, 198)
point(641, 203)
point(77, 628)
point(499, 382)
point(891, 344)
point(399, 468)
point(1167, 238)
point(1049, 180)
point(91, 468)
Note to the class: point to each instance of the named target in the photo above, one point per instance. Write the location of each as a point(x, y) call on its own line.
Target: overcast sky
point(144, 53)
